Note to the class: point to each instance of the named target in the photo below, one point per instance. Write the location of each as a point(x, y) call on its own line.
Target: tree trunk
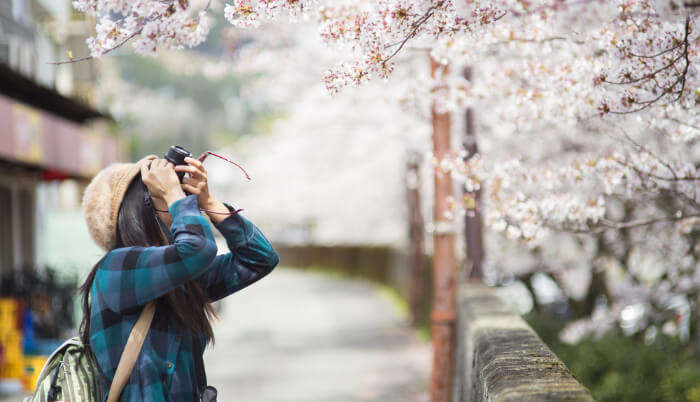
point(444, 265)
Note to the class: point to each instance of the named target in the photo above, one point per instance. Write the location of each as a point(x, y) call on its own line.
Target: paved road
point(303, 337)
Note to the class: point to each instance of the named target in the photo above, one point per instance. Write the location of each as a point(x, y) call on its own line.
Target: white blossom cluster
point(153, 25)
point(250, 13)
point(618, 57)
point(377, 31)
point(652, 292)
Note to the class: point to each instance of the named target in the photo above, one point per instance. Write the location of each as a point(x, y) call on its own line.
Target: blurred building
point(48, 131)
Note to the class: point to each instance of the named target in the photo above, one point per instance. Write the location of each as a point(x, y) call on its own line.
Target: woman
point(160, 247)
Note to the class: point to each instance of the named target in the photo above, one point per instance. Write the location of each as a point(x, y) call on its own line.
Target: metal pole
point(473, 232)
point(416, 233)
point(444, 266)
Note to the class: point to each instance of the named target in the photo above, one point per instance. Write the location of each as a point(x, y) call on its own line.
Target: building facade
point(48, 130)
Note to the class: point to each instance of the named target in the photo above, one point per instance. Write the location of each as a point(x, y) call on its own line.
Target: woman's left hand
point(196, 183)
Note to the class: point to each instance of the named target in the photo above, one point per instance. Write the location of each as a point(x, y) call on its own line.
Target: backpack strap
point(131, 352)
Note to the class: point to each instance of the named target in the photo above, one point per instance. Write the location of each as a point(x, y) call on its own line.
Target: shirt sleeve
point(132, 276)
point(250, 258)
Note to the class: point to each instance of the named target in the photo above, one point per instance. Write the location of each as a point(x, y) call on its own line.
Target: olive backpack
point(71, 373)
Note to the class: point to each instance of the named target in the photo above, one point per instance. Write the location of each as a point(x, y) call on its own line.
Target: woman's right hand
point(162, 181)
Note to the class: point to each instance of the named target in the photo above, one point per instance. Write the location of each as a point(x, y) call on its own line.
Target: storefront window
point(6, 251)
point(26, 227)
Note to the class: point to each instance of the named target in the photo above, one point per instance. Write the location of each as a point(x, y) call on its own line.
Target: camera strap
point(149, 204)
point(165, 230)
point(199, 366)
point(207, 393)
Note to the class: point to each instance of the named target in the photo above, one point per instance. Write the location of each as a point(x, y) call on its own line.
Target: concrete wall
point(500, 358)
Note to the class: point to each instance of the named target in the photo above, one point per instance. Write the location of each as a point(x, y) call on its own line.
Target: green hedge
point(619, 368)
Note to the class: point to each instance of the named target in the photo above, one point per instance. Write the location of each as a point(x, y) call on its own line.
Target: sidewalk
point(305, 337)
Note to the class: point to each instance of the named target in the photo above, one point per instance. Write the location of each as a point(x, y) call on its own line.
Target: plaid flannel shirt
point(129, 277)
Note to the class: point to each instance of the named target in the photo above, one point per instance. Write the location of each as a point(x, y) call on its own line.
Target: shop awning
point(20, 88)
point(42, 129)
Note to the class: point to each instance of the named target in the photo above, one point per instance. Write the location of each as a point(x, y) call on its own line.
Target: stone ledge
point(500, 358)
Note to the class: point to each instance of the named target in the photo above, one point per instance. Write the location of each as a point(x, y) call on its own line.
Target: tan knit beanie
point(103, 197)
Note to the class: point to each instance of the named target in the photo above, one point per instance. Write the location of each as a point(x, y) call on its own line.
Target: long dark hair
point(137, 226)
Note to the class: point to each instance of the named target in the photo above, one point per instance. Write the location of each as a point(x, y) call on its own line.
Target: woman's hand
point(196, 184)
point(162, 181)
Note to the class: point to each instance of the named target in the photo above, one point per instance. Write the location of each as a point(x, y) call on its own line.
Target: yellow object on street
point(8, 315)
point(10, 340)
point(11, 344)
point(32, 368)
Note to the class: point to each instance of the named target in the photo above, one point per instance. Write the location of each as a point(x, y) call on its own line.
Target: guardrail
point(500, 358)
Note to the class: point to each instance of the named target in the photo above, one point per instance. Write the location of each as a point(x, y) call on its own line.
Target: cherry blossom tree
point(587, 119)
point(600, 112)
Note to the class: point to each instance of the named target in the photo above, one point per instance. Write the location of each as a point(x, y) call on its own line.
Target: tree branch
point(605, 224)
point(120, 44)
point(128, 38)
point(680, 78)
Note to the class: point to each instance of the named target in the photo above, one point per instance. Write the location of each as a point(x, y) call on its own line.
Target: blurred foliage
point(207, 92)
point(620, 368)
point(199, 107)
point(218, 115)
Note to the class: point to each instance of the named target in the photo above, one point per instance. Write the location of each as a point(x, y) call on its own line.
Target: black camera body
point(176, 155)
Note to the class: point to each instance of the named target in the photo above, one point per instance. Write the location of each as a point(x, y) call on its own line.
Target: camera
point(176, 155)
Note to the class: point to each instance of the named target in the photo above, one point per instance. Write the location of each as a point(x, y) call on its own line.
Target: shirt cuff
point(184, 206)
point(235, 228)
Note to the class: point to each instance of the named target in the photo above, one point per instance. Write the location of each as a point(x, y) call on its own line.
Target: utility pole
point(473, 225)
point(444, 266)
point(416, 233)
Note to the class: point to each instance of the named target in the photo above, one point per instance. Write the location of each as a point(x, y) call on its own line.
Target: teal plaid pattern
point(129, 277)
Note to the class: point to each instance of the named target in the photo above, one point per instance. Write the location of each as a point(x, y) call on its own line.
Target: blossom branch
point(162, 20)
point(606, 224)
point(85, 58)
point(680, 78)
